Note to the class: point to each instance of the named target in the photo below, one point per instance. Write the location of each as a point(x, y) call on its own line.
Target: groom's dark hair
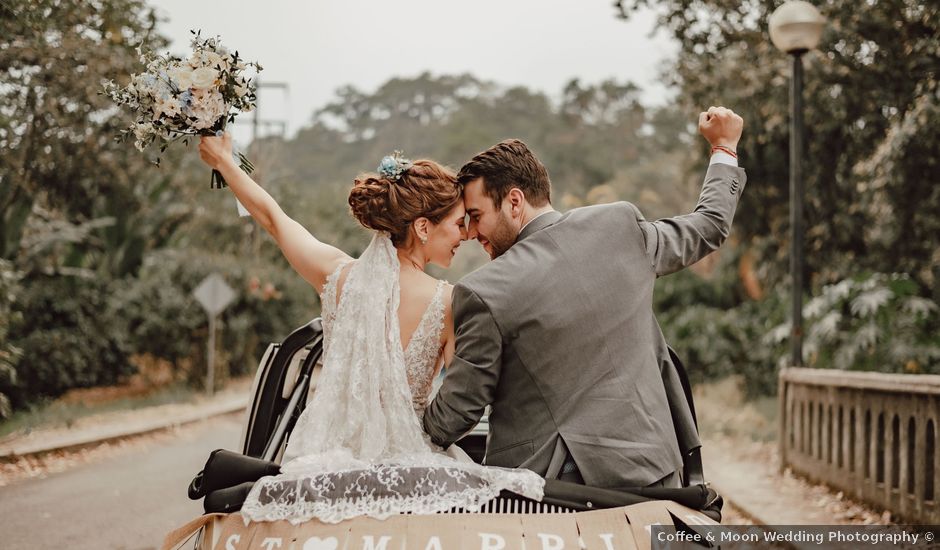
point(506, 165)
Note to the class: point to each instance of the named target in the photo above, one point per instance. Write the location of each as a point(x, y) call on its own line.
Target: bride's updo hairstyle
point(390, 203)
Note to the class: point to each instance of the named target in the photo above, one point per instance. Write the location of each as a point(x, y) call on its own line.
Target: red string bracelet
point(724, 149)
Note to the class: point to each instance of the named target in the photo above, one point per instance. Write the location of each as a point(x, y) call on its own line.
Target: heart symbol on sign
point(316, 543)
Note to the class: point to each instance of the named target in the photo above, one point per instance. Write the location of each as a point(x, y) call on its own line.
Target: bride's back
point(417, 292)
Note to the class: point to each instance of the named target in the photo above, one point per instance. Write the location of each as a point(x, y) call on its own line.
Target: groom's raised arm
point(471, 378)
point(674, 243)
point(680, 241)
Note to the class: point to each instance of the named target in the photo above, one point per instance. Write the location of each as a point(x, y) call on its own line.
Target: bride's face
point(445, 237)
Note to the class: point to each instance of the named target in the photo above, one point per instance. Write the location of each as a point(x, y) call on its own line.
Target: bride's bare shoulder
point(448, 299)
point(343, 272)
point(448, 295)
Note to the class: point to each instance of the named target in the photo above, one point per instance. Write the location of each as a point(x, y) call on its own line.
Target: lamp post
point(795, 28)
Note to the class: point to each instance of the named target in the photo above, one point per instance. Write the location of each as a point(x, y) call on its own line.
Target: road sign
point(213, 294)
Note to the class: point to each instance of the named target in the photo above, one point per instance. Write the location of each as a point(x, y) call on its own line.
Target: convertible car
point(569, 516)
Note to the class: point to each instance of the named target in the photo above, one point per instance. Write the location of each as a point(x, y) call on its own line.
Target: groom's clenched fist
point(721, 126)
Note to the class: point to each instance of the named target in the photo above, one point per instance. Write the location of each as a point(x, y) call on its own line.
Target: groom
point(558, 335)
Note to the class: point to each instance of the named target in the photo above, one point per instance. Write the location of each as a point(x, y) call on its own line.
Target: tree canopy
point(99, 249)
point(872, 104)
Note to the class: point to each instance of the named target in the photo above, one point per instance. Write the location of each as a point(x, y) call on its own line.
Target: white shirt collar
point(533, 219)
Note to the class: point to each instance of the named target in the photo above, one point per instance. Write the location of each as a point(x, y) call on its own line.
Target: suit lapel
point(539, 223)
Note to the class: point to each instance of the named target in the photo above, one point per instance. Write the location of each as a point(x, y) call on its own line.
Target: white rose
point(205, 77)
point(183, 76)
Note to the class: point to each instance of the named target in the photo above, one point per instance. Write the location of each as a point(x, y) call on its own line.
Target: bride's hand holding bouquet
point(216, 151)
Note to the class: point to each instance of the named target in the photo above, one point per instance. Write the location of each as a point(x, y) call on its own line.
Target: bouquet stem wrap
point(217, 181)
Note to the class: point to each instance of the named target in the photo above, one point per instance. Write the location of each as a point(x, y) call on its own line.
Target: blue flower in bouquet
point(147, 81)
point(186, 99)
point(157, 87)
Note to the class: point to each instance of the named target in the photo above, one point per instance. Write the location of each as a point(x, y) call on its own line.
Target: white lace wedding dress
point(358, 449)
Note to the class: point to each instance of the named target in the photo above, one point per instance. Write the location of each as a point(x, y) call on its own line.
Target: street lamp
point(795, 28)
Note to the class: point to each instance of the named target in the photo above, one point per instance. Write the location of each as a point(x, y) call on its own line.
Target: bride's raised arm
point(312, 259)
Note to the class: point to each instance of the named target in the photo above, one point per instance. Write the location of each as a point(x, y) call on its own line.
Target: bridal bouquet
point(175, 98)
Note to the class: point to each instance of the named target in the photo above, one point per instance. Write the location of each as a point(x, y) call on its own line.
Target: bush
point(876, 321)
point(68, 335)
point(9, 354)
point(166, 321)
point(873, 322)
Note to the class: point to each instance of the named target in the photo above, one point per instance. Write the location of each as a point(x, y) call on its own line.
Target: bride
point(358, 448)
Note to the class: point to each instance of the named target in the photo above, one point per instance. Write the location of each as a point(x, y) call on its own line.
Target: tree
point(870, 167)
point(77, 210)
point(9, 354)
point(49, 138)
point(871, 97)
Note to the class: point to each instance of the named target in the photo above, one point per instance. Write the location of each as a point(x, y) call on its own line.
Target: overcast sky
point(317, 46)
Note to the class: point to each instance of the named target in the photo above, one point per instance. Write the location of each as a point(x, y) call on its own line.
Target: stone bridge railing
point(871, 435)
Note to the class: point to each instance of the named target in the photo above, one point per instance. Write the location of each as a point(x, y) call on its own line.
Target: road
point(128, 501)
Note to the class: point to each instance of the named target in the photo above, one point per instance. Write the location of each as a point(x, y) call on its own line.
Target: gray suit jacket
point(558, 336)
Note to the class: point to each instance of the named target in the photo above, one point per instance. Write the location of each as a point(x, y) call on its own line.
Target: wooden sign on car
point(626, 528)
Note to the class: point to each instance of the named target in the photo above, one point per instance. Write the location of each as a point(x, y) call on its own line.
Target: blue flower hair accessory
point(393, 166)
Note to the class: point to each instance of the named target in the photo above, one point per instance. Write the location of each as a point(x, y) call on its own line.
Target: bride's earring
point(424, 252)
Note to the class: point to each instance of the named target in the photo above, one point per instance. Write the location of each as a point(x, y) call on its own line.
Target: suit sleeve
point(680, 241)
point(470, 380)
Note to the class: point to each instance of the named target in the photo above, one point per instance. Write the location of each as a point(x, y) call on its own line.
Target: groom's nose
point(472, 231)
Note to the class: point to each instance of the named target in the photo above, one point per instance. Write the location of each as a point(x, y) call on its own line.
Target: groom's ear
point(516, 201)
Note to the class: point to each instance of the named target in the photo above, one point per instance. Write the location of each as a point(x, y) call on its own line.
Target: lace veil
point(359, 448)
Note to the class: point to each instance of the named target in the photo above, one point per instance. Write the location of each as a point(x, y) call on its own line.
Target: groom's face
point(492, 227)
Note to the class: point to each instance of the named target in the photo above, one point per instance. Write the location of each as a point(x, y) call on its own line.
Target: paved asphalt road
point(124, 502)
